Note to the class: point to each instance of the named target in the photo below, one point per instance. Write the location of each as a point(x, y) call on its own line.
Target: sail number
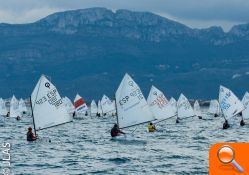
point(136, 93)
point(224, 105)
point(51, 97)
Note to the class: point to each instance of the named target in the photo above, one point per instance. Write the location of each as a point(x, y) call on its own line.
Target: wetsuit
point(30, 136)
point(116, 132)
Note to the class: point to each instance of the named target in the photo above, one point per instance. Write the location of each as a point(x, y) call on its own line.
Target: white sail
point(80, 105)
point(184, 108)
point(99, 108)
point(229, 103)
point(22, 106)
point(159, 105)
point(3, 109)
point(173, 104)
point(47, 105)
point(94, 108)
point(214, 107)
point(245, 101)
point(14, 107)
point(107, 105)
point(132, 108)
point(68, 105)
point(197, 108)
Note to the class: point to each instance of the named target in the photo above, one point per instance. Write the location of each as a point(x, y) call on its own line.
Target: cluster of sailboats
point(12, 107)
point(129, 106)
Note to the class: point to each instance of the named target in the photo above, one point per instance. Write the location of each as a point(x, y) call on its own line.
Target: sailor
point(116, 131)
point(74, 114)
point(8, 114)
point(151, 127)
point(177, 120)
point(226, 125)
point(30, 135)
point(242, 122)
point(18, 118)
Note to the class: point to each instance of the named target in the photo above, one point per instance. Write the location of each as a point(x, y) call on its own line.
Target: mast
point(116, 108)
point(32, 114)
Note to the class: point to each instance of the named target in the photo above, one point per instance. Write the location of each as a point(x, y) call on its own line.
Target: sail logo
point(47, 85)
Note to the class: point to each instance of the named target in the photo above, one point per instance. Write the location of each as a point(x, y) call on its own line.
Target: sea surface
point(85, 147)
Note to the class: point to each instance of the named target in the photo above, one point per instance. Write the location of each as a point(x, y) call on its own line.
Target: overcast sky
point(194, 13)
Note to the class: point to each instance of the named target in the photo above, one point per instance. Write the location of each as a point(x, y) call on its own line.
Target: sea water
point(85, 147)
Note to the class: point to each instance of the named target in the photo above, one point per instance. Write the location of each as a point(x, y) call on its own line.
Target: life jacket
point(151, 128)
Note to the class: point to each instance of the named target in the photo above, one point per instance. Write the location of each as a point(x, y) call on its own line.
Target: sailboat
point(245, 101)
point(47, 106)
point(80, 105)
point(100, 112)
point(94, 108)
point(69, 105)
point(197, 109)
point(229, 103)
point(3, 109)
point(159, 105)
point(22, 107)
point(14, 107)
point(132, 108)
point(173, 104)
point(107, 106)
point(214, 108)
point(184, 108)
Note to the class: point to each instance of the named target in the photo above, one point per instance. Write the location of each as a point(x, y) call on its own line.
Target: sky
point(193, 13)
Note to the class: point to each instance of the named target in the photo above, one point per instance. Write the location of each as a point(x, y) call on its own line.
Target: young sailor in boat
point(18, 118)
point(151, 127)
point(30, 135)
point(116, 131)
point(242, 122)
point(226, 125)
point(8, 114)
point(177, 120)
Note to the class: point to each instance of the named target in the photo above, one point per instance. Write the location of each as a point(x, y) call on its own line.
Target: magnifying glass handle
point(238, 166)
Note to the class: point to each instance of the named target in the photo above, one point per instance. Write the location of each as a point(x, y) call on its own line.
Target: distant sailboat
point(173, 104)
point(107, 106)
point(229, 103)
point(94, 108)
point(132, 108)
point(184, 108)
point(245, 101)
point(100, 112)
point(3, 109)
point(47, 106)
point(69, 105)
point(197, 109)
point(159, 105)
point(14, 107)
point(214, 108)
point(22, 107)
point(80, 105)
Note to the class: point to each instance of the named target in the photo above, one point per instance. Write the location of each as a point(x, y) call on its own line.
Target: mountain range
point(88, 51)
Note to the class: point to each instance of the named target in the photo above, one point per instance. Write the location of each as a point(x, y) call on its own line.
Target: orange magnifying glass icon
point(226, 155)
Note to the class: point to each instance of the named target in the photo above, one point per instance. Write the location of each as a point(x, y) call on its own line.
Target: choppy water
point(85, 147)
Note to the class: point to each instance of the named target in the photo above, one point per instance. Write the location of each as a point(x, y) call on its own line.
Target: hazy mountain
point(88, 51)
